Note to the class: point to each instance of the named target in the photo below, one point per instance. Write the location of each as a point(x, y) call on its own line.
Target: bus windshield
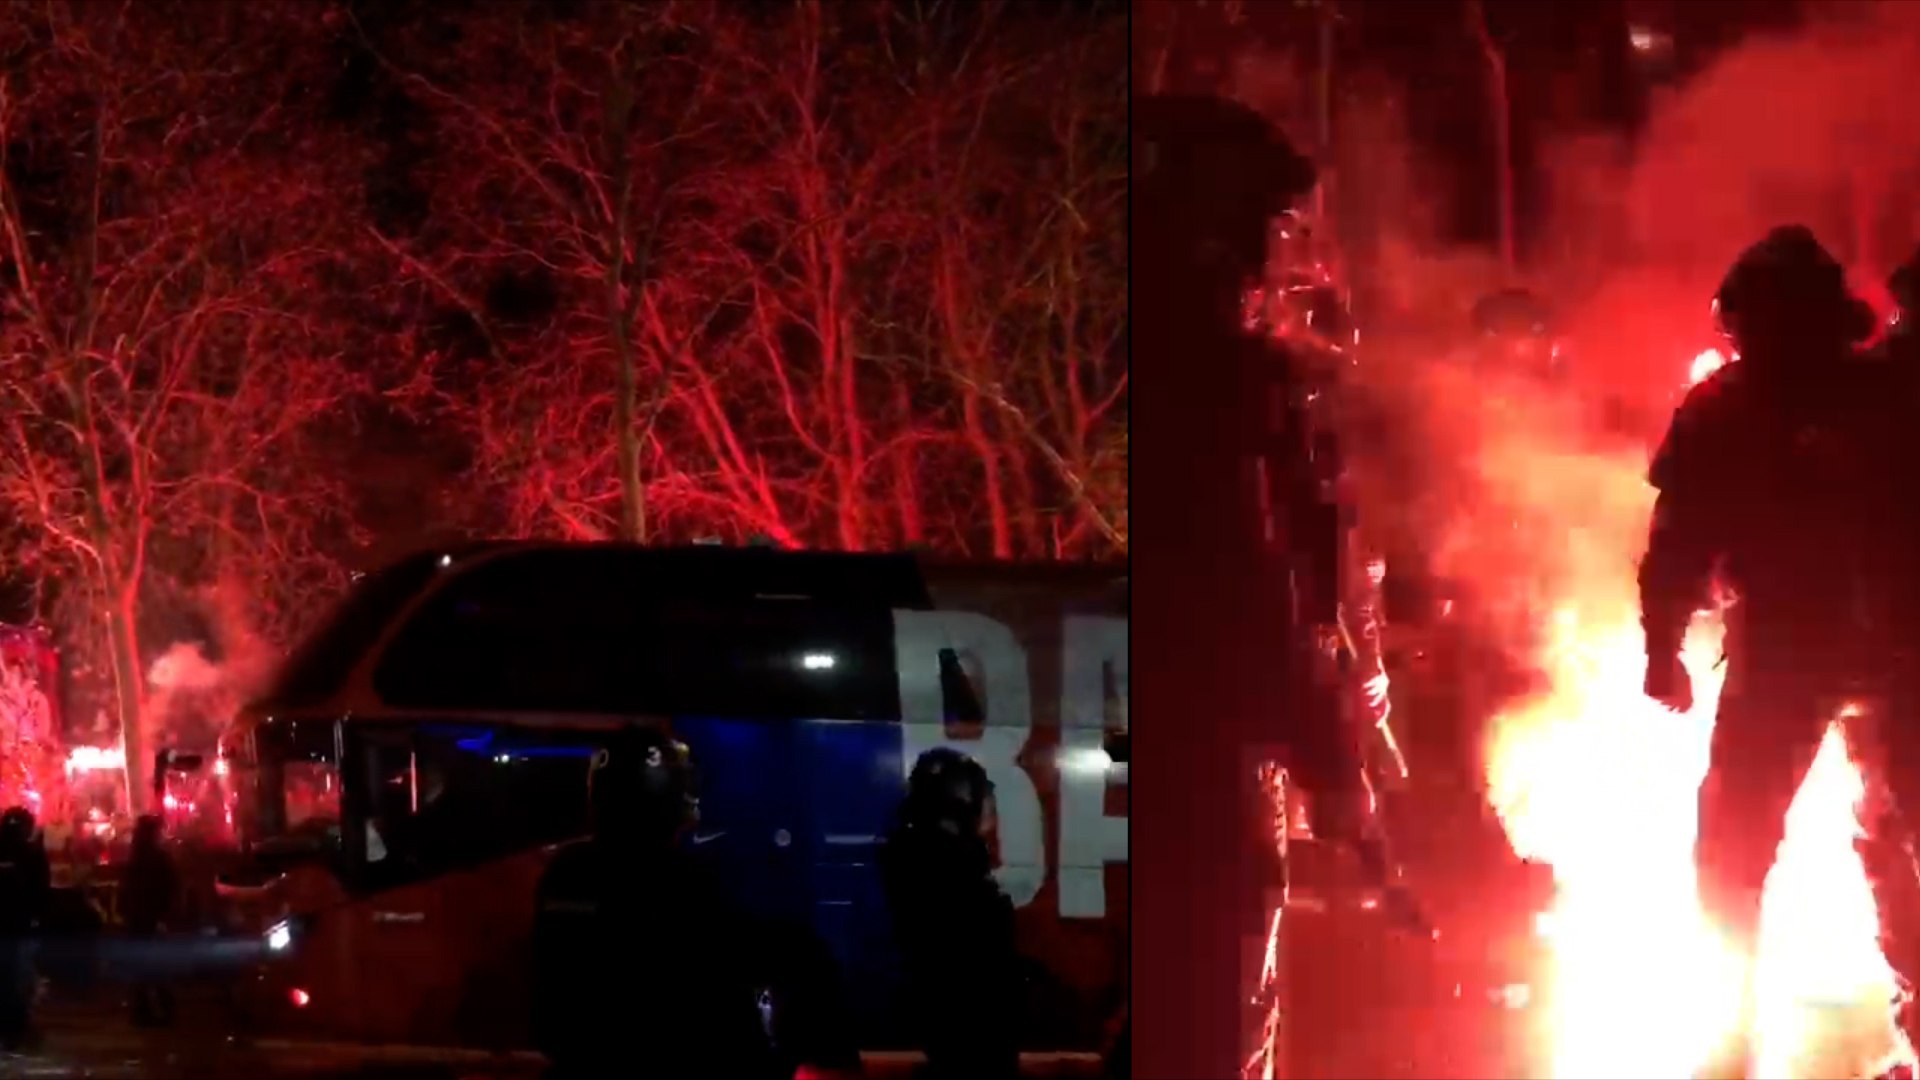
point(323, 660)
point(288, 780)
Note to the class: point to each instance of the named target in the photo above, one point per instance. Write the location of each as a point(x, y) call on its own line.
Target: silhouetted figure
point(149, 895)
point(638, 966)
point(1903, 338)
point(1238, 499)
point(1886, 850)
point(1774, 479)
point(953, 923)
point(1119, 1063)
point(1516, 330)
point(25, 882)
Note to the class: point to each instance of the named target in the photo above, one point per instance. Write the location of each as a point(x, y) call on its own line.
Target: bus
point(397, 791)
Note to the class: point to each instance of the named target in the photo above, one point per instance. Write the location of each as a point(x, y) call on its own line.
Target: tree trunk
point(123, 638)
point(995, 490)
point(633, 510)
point(853, 515)
point(906, 488)
point(962, 351)
point(1502, 109)
point(1025, 506)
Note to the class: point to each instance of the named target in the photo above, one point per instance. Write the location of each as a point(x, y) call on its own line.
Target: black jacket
point(638, 966)
point(955, 931)
point(1783, 488)
point(26, 879)
point(149, 892)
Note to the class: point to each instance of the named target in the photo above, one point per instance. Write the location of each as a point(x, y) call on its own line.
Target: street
point(110, 1057)
point(88, 1040)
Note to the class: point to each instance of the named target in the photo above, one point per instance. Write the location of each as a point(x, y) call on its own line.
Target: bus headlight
point(280, 937)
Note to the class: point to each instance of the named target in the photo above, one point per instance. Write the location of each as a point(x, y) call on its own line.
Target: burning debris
point(1590, 776)
point(1532, 518)
point(1704, 365)
point(91, 758)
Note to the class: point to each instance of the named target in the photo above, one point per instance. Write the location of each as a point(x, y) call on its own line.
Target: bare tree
point(739, 337)
point(1030, 301)
point(811, 214)
point(904, 362)
point(571, 175)
point(164, 230)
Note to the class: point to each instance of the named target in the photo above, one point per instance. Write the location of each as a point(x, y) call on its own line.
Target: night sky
point(801, 373)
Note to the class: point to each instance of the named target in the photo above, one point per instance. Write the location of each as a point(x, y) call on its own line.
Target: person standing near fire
point(1247, 506)
point(1773, 481)
point(149, 895)
point(1886, 846)
point(25, 882)
point(1303, 311)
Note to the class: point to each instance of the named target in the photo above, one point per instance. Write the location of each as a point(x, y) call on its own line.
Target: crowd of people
point(33, 913)
point(641, 961)
point(1785, 486)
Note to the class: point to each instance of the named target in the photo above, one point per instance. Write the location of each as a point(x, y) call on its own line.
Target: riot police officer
point(638, 969)
point(1773, 477)
point(1903, 339)
point(953, 923)
point(1516, 332)
point(1236, 496)
point(1886, 847)
point(25, 882)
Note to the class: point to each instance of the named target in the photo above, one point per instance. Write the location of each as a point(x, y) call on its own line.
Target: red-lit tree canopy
point(846, 275)
point(174, 231)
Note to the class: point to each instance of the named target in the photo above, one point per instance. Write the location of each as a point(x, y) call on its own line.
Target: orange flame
point(1705, 364)
point(1599, 782)
point(89, 758)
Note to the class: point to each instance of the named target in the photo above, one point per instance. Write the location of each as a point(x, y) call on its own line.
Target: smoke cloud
point(192, 696)
point(1528, 496)
point(1524, 493)
point(183, 692)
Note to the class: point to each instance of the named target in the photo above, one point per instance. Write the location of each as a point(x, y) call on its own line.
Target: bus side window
point(459, 795)
point(384, 768)
point(959, 702)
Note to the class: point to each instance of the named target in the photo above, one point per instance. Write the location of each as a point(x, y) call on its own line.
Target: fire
point(1705, 364)
point(1599, 782)
point(90, 758)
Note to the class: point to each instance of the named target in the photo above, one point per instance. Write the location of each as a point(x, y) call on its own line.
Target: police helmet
point(16, 825)
point(1788, 285)
point(1212, 170)
point(950, 787)
point(1904, 284)
point(1198, 142)
point(1513, 312)
point(643, 779)
point(148, 830)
